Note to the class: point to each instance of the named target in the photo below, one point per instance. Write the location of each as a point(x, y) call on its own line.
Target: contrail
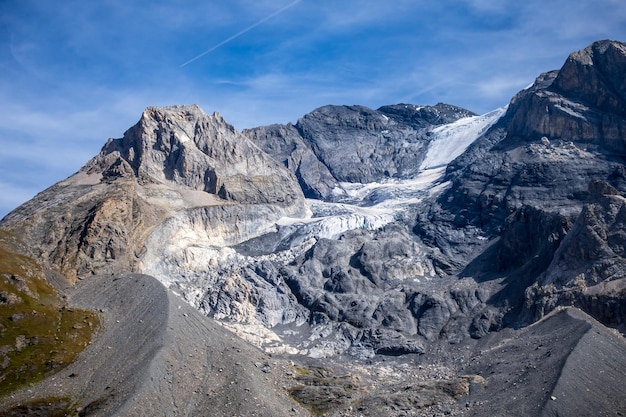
point(238, 34)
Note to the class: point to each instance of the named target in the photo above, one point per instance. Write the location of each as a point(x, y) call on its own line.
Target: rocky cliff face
point(587, 269)
point(558, 137)
point(354, 144)
point(183, 146)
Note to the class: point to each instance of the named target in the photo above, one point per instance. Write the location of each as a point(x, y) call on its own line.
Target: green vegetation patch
point(49, 407)
point(321, 391)
point(39, 335)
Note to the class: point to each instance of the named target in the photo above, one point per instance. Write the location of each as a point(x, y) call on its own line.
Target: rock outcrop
point(589, 266)
point(286, 145)
point(182, 145)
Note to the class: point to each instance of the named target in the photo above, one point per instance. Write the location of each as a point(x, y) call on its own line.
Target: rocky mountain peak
point(184, 111)
point(595, 76)
point(355, 144)
point(547, 184)
point(176, 164)
point(182, 145)
point(584, 102)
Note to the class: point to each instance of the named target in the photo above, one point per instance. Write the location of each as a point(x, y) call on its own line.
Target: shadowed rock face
point(594, 77)
point(358, 144)
point(286, 145)
point(336, 144)
point(588, 267)
point(543, 153)
point(527, 180)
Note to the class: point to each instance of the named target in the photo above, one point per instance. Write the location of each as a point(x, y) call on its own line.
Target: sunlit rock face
point(181, 145)
point(177, 166)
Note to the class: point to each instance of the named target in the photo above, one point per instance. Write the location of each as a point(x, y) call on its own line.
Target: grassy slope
point(38, 334)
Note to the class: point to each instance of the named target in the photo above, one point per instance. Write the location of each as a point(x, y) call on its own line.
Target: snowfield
point(452, 139)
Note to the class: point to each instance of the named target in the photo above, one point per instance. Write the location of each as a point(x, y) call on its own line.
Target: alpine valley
point(404, 261)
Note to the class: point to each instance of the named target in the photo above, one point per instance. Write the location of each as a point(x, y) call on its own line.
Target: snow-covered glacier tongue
point(451, 140)
point(447, 142)
point(375, 204)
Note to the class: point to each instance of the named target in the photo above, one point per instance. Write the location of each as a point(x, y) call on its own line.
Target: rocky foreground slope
point(438, 261)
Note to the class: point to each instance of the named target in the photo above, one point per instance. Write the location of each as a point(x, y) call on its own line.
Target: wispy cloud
point(241, 32)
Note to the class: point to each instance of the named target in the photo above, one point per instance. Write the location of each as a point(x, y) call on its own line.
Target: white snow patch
point(183, 137)
point(572, 108)
point(332, 219)
point(452, 139)
point(385, 200)
point(358, 192)
point(375, 204)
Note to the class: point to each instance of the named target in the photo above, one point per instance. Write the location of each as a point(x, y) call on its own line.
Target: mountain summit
point(398, 261)
point(176, 162)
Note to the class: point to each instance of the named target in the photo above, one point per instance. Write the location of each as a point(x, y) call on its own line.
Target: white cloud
point(499, 86)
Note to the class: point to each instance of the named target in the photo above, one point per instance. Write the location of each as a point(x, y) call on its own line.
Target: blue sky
point(76, 72)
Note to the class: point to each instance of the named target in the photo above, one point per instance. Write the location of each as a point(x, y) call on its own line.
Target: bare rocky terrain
point(154, 352)
point(404, 261)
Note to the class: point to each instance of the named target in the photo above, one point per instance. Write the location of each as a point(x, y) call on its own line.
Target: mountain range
point(402, 261)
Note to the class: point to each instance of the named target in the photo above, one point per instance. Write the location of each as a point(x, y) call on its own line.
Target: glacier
point(202, 266)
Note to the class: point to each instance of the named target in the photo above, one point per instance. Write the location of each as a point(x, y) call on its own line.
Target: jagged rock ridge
point(556, 141)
